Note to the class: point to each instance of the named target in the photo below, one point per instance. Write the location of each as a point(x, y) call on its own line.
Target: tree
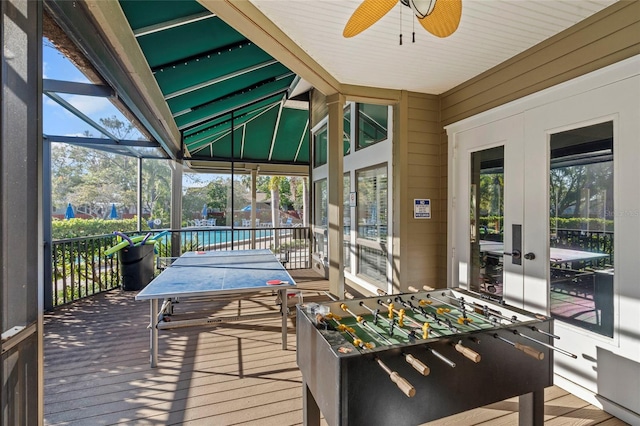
point(156, 188)
point(286, 200)
point(574, 185)
point(218, 196)
point(274, 189)
point(93, 179)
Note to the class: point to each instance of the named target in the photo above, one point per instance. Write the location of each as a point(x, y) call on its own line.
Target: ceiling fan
point(439, 17)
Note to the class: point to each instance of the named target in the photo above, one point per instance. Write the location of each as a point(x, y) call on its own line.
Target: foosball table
point(406, 359)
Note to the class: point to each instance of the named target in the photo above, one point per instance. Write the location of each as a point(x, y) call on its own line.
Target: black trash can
point(136, 266)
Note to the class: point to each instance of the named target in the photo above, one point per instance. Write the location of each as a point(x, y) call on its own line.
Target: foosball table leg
point(531, 409)
point(310, 409)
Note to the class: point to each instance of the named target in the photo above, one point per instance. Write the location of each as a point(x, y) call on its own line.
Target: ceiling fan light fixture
point(440, 17)
point(422, 8)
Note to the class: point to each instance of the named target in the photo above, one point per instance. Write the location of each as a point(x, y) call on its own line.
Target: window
point(365, 225)
point(346, 130)
point(372, 204)
point(372, 220)
point(487, 220)
point(320, 147)
point(346, 221)
point(372, 124)
point(581, 219)
point(372, 263)
point(321, 247)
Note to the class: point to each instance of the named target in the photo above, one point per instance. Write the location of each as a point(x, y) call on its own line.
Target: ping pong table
point(213, 274)
point(556, 255)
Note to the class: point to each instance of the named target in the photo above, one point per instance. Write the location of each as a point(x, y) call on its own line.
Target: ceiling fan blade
point(444, 19)
point(367, 14)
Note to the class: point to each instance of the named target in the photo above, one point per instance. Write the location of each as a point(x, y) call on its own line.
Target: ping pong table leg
point(153, 323)
point(284, 307)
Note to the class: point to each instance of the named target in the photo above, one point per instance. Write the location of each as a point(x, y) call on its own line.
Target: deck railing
point(80, 267)
point(594, 241)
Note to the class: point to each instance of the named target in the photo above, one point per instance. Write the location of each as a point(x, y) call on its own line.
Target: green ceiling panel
point(139, 16)
point(227, 88)
point(201, 70)
point(238, 143)
point(239, 113)
point(205, 137)
point(209, 73)
point(258, 135)
point(222, 147)
point(168, 47)
point(291, 131)
point(213, 131)
point(214, 110)
point(213, 136)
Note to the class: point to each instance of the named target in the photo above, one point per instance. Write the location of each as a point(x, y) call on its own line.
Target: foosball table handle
point(534, 353)
point(402, 384)
point(469, 353)
point(418, 365)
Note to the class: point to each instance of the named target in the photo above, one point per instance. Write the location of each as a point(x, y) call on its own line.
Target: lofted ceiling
point(490, 32)
point(213, 79)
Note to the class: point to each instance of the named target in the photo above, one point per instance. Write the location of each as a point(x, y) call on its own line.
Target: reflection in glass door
point(487, 221)
point(581, 224)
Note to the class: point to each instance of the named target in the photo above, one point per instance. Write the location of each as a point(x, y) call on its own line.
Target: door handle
point(516, 254)
point(530, 256)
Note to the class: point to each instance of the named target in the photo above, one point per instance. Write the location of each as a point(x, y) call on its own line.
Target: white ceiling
point(490, 32)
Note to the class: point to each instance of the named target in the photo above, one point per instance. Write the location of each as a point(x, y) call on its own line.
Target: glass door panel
point(581, 223)
point(487, 221)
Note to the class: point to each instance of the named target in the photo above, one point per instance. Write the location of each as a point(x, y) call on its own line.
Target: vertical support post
point(254, 177)
point(335, 196)
point(306, 214)
point(47, 276)
point(21, 217)
point(233, 211)
point(139, 188)
point(176, 208)
point(531, 409)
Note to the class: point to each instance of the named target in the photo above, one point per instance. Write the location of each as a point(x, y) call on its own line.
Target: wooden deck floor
point(97, 371)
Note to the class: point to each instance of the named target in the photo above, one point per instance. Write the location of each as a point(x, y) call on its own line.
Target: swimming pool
point(210, 238)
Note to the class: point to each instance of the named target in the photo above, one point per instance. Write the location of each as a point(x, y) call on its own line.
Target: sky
point(56, 119)
point(59, 121)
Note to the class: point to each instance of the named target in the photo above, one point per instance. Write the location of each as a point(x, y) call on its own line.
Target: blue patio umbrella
point(68, 214)
point(114, 213)
point(204, 211)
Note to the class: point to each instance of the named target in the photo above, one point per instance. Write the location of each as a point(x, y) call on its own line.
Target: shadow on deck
point(97, 370)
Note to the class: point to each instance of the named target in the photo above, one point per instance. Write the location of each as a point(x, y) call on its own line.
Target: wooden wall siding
point(425, 245)
point(605, 38)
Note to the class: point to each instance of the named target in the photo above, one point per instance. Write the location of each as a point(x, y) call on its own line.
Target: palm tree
point(274, 187)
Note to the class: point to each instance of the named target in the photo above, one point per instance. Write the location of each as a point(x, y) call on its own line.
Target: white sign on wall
point(422, 208)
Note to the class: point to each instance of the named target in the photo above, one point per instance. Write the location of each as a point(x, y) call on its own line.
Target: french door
point(580, 198)
point(544, 205)
point(489, 210)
